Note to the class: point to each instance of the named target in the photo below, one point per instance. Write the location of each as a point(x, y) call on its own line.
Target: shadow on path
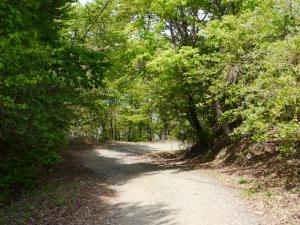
point(153, 193)
point(120, 162)
point(139, 214)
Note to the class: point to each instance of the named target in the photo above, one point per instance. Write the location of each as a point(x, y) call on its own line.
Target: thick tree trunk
point(150, 134)
point(166, 132)
point(194, 121)
point(219, 113)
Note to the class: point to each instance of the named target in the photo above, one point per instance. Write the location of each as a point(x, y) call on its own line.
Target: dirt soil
point(122, 183)
point(152, 193)
point(70, 195)
point(269, 183)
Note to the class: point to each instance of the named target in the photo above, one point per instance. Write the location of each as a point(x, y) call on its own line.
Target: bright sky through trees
point(83, 2)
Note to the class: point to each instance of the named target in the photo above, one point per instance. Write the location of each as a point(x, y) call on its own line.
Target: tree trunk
point(111, 129)
point(129, 134)
point(140, 131)
point(194, 121)
point(219, 114)
point(116, 131)
point(165, 132)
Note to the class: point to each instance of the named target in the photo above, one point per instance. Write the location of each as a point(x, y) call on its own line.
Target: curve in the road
point(151, 194)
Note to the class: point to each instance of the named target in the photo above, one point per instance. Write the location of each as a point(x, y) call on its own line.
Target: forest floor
point(123, 183)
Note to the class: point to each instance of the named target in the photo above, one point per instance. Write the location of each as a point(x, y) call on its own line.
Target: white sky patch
point(83, 2)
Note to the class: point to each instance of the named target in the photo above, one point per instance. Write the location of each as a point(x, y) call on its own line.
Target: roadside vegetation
point(69, 195)
point(222, 75)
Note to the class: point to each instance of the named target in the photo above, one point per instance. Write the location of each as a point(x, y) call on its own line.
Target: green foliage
point(242, 180)
point(249, 192)
point(41, 76)
point(202, 71)
point(198, 70)
point(258, 54)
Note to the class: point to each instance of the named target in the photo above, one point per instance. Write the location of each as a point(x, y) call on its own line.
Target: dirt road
point(152, 194)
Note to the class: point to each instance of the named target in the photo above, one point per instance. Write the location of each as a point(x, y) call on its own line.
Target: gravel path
point(153, 194)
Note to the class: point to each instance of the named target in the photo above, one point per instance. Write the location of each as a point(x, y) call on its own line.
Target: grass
point(242, 180)
point(56, 198)
point(269, 194)
point(249, 192)
point(58, 194)
point(65, 194)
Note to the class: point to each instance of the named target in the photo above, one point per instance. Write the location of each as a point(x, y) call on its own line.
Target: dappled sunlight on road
point(153, 194)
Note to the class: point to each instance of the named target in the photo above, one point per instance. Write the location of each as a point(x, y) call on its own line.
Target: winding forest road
point(152, 194)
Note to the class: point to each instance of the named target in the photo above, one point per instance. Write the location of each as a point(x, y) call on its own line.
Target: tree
point(41, 77)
